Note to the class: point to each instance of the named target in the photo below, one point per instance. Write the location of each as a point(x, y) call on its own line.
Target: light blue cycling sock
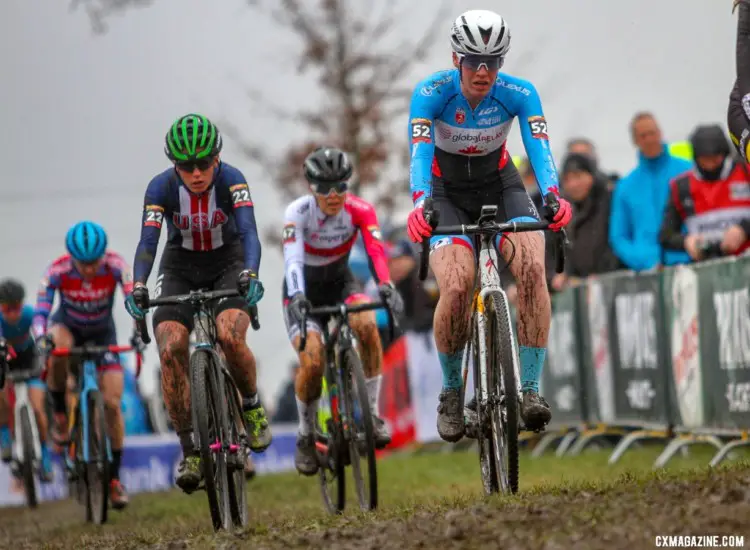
point(532, 361)
point(46, 458)
point(5, 438)
point(451, 365)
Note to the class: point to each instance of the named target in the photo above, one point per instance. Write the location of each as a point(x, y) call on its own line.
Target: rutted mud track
point(627, 513)
point(626, 516)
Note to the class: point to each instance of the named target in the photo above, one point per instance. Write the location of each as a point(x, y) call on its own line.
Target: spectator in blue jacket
point(640, 197)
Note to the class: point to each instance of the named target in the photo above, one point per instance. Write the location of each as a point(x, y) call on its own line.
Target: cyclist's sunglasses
point(190, 165)
point(476, 62)
point(325, 188)
point(84, 265)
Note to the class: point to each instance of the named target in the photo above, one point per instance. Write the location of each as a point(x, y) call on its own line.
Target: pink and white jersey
point(314, 242)
point(83, 304)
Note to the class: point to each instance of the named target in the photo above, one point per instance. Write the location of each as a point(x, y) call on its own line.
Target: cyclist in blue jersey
point(212, 244)
point(18, 351)
point(459, 122)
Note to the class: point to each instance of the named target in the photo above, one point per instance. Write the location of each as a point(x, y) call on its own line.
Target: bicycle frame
point(87, 384)
point(338, 340)
point(488, 281)
point(204, 340)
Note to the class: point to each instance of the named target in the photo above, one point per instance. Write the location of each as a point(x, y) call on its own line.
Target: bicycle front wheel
point(504, 409)
point(479, 354)
point(358, 430)
point(238, 455)
point(27, 465)
point(208, 418)
point(97, 462)
point(331, 448)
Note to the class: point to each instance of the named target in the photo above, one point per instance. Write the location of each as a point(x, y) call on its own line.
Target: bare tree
point(362, 69)
point(362, 66)
point(99, 10)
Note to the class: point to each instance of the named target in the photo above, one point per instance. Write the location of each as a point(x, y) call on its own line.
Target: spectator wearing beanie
point(587, 190)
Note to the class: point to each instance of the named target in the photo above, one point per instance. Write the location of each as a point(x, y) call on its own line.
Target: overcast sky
point(84, 116)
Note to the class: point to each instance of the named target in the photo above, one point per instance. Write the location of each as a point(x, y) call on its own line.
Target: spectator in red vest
point(708, 211)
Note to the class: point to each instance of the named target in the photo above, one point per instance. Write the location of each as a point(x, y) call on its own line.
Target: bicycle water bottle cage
point(488, 214)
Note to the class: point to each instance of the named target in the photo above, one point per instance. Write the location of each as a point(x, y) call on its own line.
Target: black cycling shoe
point(189, 474)
point(450, 420)
point(381, 432)
point(535, 411)
point(305, 455)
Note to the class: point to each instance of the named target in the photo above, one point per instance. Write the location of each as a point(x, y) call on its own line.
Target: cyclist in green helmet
point(212, 244)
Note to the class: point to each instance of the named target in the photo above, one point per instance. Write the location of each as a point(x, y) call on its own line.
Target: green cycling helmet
point(192, 137)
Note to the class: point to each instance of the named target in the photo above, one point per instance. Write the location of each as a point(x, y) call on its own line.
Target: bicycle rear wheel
point(331, 453)
point(27, 467)
point(97, 465)
point(208, 418)
point(358, 429)
point(237, 456)
point(504, 409)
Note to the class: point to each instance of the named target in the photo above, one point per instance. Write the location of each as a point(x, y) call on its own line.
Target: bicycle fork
point(215, 376)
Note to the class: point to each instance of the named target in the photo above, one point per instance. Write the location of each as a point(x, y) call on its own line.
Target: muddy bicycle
point(348, 436)
point(490, 348)
point(216, 409)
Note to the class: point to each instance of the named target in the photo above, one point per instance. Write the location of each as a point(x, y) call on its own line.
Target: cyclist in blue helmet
point(86, 279)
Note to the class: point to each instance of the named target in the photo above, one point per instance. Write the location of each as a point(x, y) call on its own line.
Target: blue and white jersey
point(464, 146)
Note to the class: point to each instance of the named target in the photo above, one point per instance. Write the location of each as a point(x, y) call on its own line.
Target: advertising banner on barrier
point(683, 325)
point(638, 358)
point(396, 404)
point(561, 381)
point(425, 383)
point(149, 464)
point(724, 332)
point(596, 353)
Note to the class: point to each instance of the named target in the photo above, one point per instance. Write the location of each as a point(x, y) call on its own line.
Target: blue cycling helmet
point(86, 241)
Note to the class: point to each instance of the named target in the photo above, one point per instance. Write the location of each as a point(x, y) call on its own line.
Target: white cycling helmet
point(480, 32)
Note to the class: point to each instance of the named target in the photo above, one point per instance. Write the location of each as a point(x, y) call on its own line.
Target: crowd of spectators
point(667, 210)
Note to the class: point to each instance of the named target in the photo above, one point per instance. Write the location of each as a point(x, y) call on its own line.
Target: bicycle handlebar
point(194, 298)
point(489, 227)
point(342, 310)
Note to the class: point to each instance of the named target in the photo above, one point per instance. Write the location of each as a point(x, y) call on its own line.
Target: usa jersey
point(18, 335)
point(219, 216)
point(84, 305)
point(317, 246)
point(464, 146)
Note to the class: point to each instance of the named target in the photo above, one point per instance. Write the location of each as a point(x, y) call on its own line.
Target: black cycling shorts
point(183, 270)
point(27, 359)
point(345, 288)
point(105, 335)
point(462, 204)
